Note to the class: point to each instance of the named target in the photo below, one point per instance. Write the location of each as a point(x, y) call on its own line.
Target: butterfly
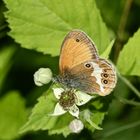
point(82, 69)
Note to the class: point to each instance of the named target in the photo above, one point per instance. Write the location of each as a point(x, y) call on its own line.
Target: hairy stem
point(126, 101)
point(128, 83)
point(121, 30)
point(122, 128)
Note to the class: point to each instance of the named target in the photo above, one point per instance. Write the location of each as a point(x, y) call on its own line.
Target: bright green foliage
point(96, 115)
point(93, 119)
point(106, 53)
point(61, 125)
point(42, 24)
point(2, 21)
point(12, 115)
point(5, 62)
point(41, 120)
point(96, 120)
point(129, 59)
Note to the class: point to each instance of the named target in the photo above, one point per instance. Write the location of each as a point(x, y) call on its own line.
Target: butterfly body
point(81, 68)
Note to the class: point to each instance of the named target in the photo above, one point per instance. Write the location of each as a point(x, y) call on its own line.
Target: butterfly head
point(67, 80)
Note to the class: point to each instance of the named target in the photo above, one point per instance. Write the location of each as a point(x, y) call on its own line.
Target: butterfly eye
point(105, 75)
point(105, 81)
point(77, 40)
point(87, 65)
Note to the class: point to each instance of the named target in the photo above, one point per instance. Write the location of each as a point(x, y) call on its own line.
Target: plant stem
point(126, 101)
point(128, 83)
point(121, 30)
point(122, 128)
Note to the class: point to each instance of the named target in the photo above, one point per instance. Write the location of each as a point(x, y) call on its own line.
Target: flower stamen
point(67, 99)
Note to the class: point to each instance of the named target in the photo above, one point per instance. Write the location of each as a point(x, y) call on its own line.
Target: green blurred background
point(122, 121)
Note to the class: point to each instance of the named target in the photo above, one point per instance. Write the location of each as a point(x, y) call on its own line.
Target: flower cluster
point(69, 100)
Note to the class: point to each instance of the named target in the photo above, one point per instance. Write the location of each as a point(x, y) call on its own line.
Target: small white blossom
point(42, 76)
point(76, 126)
point(73, 99)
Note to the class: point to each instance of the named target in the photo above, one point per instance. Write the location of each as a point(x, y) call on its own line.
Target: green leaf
point(3, 25)
point(95, 120)
point(42, 24)
point(92, 116)
point(41, 120)
point(5, 62)
point(62, 125)
point(88, 116)
point(106, 53)
point(109, 10)
point(12, 115)
point(129, 58)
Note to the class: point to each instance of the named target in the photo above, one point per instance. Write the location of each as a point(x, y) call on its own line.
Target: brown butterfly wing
point(77, 51)
point(100, 78)
point(83, 80)
point(76, 48)
point(105, 75)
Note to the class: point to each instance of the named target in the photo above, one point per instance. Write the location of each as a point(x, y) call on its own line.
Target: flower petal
point(76, 126)
point(82, 98)
point(74, 111)
point(57, 92)
point(58, 110)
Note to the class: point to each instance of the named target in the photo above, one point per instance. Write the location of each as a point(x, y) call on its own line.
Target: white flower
point(76, 126)
point(69, 100)
point(42, 76)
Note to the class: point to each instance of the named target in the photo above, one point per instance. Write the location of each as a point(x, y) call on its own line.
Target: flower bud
point(76, 126)
point(42, 76)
